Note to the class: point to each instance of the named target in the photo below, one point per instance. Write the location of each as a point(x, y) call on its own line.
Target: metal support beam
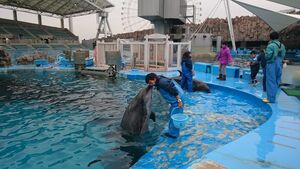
point(230, 26)
point(40, 19)
point(61, 6)
point(71, 24)
point(15, 15)
point(193, 16)
point(104, 27)
point(29, 11)
point(62, 23)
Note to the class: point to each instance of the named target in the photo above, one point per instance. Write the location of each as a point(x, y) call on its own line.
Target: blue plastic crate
point(247, 74)
point(89, 62)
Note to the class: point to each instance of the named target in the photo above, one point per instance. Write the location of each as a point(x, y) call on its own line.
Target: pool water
point(64, 120)
point(215, 119)
point(54, 119)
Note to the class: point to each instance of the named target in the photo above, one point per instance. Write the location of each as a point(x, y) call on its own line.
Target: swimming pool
point(65, 120)
point(215, 119)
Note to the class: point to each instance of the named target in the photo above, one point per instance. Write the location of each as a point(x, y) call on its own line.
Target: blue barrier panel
point(41, 62)
point(215, 69)
point(232, 71)
point(135, 74)
point(208, 69)
point(202, 67)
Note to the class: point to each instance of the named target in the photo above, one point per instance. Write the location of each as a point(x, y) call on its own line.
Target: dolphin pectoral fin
point(152, 116)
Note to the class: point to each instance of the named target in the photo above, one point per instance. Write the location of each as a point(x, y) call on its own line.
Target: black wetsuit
point(166, 84)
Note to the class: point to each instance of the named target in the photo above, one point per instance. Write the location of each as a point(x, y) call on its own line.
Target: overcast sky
point(86, 26)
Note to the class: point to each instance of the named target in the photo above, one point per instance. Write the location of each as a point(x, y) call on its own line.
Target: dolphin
point(197, 84)
point(136, 116)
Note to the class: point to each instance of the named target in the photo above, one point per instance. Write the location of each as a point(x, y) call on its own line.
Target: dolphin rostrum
point(136, 117)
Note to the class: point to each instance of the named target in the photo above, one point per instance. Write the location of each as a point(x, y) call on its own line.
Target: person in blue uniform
point(187, 71)
point(172, 93)
point(262, 61)
point(275, 53)
point(254, 67)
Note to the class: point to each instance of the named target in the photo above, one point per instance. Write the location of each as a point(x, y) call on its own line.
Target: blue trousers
point(172, 129)
point(174, 104)
point(273, 78)
point(189, 80)
point(264, 79)
point(279, 70)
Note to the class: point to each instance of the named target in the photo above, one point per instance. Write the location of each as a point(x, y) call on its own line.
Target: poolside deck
point(274, 144)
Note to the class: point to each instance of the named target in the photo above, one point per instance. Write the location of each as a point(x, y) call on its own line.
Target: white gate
point(156, 53)
point(101, 49)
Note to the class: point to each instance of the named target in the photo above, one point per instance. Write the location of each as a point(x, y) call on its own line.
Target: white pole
point(132, 57)
point(178, 56)
point(97, 18)
point(104, 28)
point(156, 48)
point(146, 54)
point(229, 20)
point(167, 55)
point(71, 24)
point(139, 55)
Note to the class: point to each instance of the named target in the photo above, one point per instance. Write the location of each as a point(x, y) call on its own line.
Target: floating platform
point(99, 70)
point(137, 74)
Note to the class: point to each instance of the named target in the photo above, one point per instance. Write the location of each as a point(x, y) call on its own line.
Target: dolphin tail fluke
point(180, 73)
point(152, 116)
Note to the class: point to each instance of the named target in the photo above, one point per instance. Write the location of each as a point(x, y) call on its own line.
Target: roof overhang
point(292, 3)
point(62, 8)
point(277, 21)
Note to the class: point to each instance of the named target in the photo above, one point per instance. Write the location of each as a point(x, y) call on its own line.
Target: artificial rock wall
point(246, 29)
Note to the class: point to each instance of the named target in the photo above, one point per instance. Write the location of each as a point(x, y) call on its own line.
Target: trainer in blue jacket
point(187, 71)
point(172, 93)
point(275, 53)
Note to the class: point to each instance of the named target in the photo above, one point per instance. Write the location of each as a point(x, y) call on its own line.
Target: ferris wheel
point(131, 22)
